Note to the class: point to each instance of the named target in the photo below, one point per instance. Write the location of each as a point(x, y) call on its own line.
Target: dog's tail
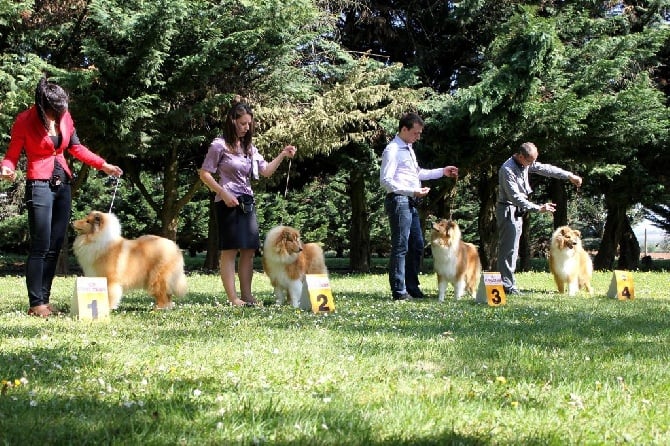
point(178, 284)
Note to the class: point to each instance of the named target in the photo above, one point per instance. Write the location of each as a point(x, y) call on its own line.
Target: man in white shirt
point(401, 177)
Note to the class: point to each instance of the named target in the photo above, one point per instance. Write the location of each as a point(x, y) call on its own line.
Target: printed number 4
point(625, 292)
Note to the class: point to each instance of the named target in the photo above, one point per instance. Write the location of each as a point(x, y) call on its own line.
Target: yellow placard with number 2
point(320, 296)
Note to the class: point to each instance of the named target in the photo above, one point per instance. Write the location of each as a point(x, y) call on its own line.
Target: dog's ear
point(578, 233)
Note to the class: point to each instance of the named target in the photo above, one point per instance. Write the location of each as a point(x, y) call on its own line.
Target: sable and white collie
point(286, 260)
point(152, 263)
point(454, 260)
point(568, 262)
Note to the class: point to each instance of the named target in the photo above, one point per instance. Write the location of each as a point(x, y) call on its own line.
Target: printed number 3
point(496, 299)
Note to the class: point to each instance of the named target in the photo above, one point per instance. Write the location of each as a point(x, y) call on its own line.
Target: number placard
point(491, 290)
point(316, 294)
point(621, 286)
point(90, 300)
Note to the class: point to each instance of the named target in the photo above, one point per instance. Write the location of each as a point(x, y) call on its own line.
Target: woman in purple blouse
point(236, 161)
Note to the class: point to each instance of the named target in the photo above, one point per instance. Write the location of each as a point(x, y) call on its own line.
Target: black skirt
point(237, 229)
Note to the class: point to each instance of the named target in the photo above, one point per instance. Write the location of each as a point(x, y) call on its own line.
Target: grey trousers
point(509, 234)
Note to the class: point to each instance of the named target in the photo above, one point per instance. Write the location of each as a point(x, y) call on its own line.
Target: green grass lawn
point(543, 369)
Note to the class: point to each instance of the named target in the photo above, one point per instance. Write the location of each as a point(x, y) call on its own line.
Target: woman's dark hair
point(50, 97)
point(237, 110)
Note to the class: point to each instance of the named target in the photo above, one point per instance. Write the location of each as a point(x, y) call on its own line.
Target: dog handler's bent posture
point(512, 204)
point(44, 132)
point(401, 177)
point(235, 160)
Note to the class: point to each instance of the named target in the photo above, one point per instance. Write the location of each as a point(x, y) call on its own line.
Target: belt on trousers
point(413, 201)
point(55, 180)
point(517, 212)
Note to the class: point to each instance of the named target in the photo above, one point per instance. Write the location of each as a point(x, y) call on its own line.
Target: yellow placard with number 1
point(491, 290)
point(316, 294)
point(622, 287)
point(90, 299)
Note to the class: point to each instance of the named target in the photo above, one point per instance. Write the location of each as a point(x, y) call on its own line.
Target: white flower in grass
point(33, 403)
point(275, 351)
point(23, 380)
point(327, 399)
point(197, 393)
point(144, 382)
point(219, 425)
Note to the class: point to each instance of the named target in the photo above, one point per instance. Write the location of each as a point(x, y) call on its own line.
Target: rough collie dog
point(286, 260)
point(568, 262)
point(454, 260)
point(152, 263)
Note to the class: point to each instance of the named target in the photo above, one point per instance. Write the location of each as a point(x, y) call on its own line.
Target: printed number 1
point(94, 308)
point(323, 305)
point(496, 299)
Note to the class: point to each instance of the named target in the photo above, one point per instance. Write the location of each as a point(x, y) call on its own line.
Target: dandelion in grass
point(501, 380)
point(576, 401)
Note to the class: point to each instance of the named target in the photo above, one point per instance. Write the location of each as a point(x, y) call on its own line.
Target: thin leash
point(287, 177)
point(452, 197)
point(116, 188)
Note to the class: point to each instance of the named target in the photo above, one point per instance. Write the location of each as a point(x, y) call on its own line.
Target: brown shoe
point(54, 310)
point(40, 311)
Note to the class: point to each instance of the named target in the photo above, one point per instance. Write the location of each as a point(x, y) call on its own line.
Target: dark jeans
point(406, 245)
point(48, 216)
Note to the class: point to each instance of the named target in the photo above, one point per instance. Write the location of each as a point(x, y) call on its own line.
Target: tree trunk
point(616, 216)
point(629, 248)
point(560, 198)
point(212, 256)
point(488, 232)
point(524, 246)
point(359, 233)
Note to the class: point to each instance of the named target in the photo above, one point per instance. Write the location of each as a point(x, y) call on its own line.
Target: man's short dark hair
point(408, 120)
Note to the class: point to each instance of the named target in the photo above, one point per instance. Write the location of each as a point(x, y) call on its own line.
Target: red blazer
point(29, 134)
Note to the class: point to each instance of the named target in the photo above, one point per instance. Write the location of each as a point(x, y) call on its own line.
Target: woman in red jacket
point(44, 132)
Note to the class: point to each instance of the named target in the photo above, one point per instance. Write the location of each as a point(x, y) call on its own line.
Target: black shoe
point(418, 295)
point(513, 292)
point(402, 297)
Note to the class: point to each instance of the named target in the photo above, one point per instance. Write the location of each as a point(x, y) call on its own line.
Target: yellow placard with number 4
point(622, 286)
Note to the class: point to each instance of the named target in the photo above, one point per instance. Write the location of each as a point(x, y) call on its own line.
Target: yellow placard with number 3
point(491, 290)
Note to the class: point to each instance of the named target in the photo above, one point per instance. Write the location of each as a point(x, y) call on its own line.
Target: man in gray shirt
point(513, 204)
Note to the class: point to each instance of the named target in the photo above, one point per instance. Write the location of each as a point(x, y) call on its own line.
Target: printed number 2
point(625, 292)
point(496, 299)
point(323, 302)
point(94, 309)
